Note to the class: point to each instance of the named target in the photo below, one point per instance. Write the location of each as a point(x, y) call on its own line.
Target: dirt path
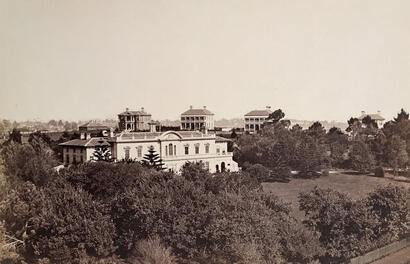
point(400, 257)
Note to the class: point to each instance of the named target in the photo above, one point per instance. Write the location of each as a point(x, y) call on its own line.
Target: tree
point(58, 222)
point(152, 159)
point(396, 153)
point(102, 152)
point(403, 115)
point(360, 157)
point(369, 122)
point(276, 116)
point(52, 122)
point(316, 130)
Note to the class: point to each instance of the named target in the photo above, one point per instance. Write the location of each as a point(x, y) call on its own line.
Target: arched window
point(171, 152)
point(166, 150)
point(175, 150)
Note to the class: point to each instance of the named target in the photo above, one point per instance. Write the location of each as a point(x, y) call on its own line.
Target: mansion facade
point(174, 148)
point(255, 119)
point(134, 120)
point(197, 119)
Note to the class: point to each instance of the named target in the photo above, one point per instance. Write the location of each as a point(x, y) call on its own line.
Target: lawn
point(356, 186)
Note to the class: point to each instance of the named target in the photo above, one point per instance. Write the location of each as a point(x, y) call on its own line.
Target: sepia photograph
point(204, 132)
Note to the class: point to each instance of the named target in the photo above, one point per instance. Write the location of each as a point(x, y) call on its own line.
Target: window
point(182, 118)
point(197, 149)
point(202, 118)
point(207, 148)
point(175, 150)
point(166, 150)
point(246, 119)
point(186, 149)
point(218, 150)
point(247, 126)
point(139, 151)
point(171, 152)
point(67, 158)
point(127, 153)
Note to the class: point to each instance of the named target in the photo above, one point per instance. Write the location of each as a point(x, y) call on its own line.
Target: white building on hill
point(197, 119)
point(174, 148)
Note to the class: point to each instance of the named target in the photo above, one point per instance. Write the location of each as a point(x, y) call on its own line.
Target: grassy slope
point(356, 186)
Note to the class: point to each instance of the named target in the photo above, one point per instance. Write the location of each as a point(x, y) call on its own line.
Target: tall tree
point(403, 115)
point(152, 159)
point(102, 152)
point(276, 116)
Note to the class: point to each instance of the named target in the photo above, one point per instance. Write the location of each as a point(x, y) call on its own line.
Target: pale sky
point(317, 60)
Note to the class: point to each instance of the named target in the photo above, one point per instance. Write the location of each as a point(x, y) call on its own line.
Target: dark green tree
point(403, 115)
point(276, 116)
point(102, 152)
point(152, 159)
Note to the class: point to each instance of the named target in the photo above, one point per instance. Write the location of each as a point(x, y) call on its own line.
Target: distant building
point(81, 150)
point(175, 148)
point(255, 119)
point(377, 117)
point(197, 119)
point(134, 120)
point(93, 128)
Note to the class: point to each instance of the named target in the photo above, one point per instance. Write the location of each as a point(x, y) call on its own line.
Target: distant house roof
point(92, 125)
point(200, 111)
point(264, 112)
point(376, 117)
point(130, 112)
point(156, 135)
point(92, 142)
point(222, 139)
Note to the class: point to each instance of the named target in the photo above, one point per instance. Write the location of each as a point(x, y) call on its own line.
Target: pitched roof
point(154, 135)
point(222, 139)
point(202, 111)
point(92, 142)
point(128, 112)
point(93, 125)
point(373, 116)
point(264, 112)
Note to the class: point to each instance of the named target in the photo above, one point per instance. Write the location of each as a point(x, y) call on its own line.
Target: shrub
point(60, 223)
point(379, 172)
point(151, 251)
point(360, 157)
point(325, 172)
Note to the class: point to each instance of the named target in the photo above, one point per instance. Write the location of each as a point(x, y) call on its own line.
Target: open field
point(356, 186)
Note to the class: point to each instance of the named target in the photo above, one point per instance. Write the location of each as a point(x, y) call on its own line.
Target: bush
point(325, 172)
point(151, 251)
point(59, 223)
point(379, 172)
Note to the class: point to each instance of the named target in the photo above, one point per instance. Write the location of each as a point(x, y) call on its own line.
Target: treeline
point(363, 147)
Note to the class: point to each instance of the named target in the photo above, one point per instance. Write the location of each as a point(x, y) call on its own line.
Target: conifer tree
point(152, 159)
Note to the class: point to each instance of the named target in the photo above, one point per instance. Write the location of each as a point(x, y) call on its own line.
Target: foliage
point(360, 157)
point(379, 172)
point(152, 159)
point(151, 251)
point(103, 180)
point(310, 156)
point(194, 171)
point(58, 222)
point(8, 247)
point(350, 228)
point(276, 116)
point(29, 162)
point(102, 152)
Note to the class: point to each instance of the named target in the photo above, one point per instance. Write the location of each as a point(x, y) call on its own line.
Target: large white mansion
point(174, 148)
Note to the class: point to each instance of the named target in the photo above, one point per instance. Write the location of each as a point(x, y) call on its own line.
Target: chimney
point(363, 112)
point(111, 132)
point(87, 136)
point(190, 107)
point(142, 109)
point(204, 106)
point(82, 135)
point(378, 111)
point(268, 107)
point(126, 109)
point(152, 127)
